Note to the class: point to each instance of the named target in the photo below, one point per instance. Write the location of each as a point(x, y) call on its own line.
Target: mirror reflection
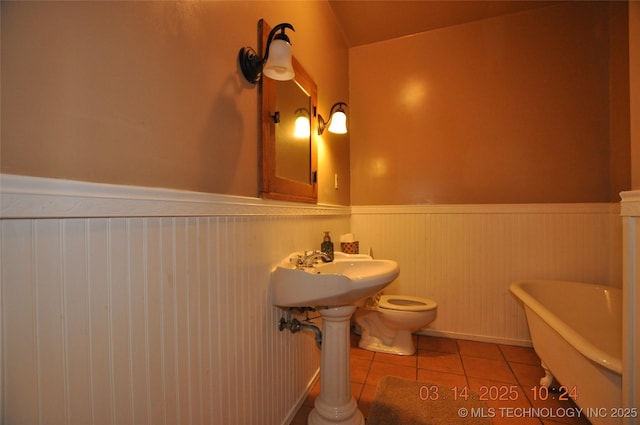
point(293, 132)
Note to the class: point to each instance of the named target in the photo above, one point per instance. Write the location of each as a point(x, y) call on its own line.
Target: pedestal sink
point(333, 288)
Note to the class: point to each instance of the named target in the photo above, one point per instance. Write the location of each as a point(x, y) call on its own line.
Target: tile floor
point(456, 362)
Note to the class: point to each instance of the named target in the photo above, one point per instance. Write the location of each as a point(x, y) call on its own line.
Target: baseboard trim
point(300, 401)
point(479, 338)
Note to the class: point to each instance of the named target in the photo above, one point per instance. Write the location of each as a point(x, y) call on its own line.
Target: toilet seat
point(406, 303)
point(387, 322)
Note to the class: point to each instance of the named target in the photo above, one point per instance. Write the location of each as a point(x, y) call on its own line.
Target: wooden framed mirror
point(289, 158)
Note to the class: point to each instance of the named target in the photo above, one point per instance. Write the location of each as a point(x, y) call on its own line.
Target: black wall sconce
point(275, 64)
point(337, 120)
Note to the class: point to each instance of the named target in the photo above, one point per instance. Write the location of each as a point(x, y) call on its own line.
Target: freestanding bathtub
point(576, 330)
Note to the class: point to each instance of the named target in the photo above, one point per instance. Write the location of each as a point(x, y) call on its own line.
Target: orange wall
point(634, 76)
point(510, 109)
point(149, 93)
point(513, 109)
point(619, 106)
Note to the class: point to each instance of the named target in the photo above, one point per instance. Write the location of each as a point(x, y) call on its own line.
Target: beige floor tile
point(366, 398)
point(358, 352)
point(450, 362)
point(410, 361)
point(379, 370)
point(361, 353)
point(526, 374)
point(495, 370)
point(441, 378)
point(442, 362)
point(356, 389)
point(359, 369)
point(520, 354)
point(434, 343)
point(484, 350)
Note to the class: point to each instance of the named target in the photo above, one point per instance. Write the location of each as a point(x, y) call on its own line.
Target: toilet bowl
point(388, 321)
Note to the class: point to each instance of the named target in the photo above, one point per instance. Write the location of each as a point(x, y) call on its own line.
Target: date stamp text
point(497, 393)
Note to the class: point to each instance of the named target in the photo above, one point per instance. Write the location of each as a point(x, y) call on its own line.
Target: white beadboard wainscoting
point(630, 211)
point(465, 257)
point(125, 305)
point(128, 305)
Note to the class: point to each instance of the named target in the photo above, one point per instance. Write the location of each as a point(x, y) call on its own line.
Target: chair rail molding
point(36, 197)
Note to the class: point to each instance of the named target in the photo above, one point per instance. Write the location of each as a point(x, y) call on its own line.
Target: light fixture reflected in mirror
point(302, 127)
point(337, 120)
point(275, 64)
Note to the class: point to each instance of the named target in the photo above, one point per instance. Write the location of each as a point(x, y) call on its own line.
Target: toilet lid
point(406, 303)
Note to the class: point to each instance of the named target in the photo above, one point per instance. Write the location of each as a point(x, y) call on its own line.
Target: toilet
point(387, 322)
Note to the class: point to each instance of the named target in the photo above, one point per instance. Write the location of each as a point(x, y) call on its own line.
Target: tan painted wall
point(619, 108)
point(634, 77)
point(505, 110)
point(149, 93)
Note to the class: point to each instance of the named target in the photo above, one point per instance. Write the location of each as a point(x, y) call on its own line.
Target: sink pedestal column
point(335, 404)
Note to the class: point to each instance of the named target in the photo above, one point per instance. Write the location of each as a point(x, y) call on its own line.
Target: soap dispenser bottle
point(327, 246)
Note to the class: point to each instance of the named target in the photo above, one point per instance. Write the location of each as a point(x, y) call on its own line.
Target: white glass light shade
point(338, 123)
point(278, 66)
point(302, 127)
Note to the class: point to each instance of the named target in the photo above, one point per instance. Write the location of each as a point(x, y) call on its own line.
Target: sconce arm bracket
point(250, 64)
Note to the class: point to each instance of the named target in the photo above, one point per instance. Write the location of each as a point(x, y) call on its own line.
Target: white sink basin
point(342, 282)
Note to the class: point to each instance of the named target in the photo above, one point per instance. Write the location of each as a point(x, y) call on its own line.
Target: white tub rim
point(580, 343)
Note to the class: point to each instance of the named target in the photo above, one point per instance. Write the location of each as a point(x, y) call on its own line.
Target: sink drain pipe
point(294, 325)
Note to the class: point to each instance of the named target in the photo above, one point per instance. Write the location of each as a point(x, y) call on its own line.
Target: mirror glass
point(293, 132)
point(289, 157)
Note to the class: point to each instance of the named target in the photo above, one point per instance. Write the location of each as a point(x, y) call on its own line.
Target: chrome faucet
point(309, 259)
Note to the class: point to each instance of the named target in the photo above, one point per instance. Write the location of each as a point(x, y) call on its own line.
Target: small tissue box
point(349, 247)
